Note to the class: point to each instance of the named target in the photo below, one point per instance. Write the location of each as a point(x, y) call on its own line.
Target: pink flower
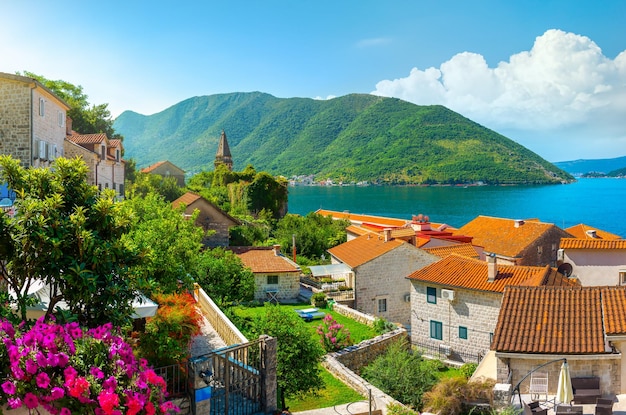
point(65, 411)
point(57, 393)
point(8, 388)
point(108, 401)
point(14, 403)
point(43, 380)
point(31, 401)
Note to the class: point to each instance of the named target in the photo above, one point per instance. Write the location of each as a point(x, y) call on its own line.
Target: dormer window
point(104, 151)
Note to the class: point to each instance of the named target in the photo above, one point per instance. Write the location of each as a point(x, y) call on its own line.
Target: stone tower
point(223, 153)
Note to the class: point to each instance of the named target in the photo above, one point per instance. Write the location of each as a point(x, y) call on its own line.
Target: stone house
point(32, 121)
point(380, 265)
point(594, 262)
point(210, 218)
point(455, 302)
point(167, 169)
point(585, 325)
point(102, 156)
point(516, 242)
point(276, 277)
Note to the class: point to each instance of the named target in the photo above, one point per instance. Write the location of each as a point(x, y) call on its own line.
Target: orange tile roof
point(87, 138)
point(559, 320)
point(152, 167)
point(466, 250)
point(187, 199)
point(419, 242)
point(115, 143)
point(402, 233)
point(357, 230)
point(352, 217)
point(580, 231)
point(463, 272)
point(500, 235)
point(364, 249)
point(261, 259)
point(576, 243)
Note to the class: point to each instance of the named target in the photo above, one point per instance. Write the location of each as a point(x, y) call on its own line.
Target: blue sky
point(549, 74)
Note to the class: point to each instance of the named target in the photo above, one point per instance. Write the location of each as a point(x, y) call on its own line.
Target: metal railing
point(448, 353)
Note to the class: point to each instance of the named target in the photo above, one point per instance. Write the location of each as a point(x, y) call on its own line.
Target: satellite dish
point(565, 269)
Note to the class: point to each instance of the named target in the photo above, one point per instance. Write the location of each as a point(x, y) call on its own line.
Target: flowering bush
point(67, 370)
point(333, 336)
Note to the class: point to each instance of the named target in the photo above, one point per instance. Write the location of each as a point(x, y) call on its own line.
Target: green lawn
point(358, 331)
point(335, 392)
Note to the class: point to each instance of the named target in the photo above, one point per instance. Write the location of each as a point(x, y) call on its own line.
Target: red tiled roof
point(87, 138)
point(357, 230)
point(115, 143)
point(363, 249)
point(261, 259)
point(559, 320)
point(374, 220)
point(575, 243)
point(466, 250)
point(500, 235)
point(463, 272)
point(580, 231)
point(152, 167)
point(187, 199)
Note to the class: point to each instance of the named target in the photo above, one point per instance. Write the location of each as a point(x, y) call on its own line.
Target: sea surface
point(600, 203)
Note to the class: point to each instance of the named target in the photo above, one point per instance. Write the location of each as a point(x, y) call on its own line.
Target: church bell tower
point(223, 153)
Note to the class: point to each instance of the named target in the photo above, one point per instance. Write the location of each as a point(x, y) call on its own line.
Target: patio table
point(569, 410)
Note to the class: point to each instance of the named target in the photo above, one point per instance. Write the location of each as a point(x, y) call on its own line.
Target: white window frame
point(622, 277)
point(42, 107)
point(61, 118)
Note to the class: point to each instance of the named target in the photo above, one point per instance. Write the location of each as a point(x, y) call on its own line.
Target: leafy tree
point(170, 244)
point(223, 276)
point(86, 118)
point(402, 374)
point(314, 233)
point(298, 353)
point(266, 192)
point(153, 183)
point(68, 236)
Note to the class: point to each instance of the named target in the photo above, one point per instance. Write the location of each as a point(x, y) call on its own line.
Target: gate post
point(268, 347)
point(199, 371)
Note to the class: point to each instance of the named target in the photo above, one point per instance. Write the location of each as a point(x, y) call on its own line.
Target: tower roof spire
point(223, 155)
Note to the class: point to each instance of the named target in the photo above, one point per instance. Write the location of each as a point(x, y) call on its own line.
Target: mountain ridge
point(353, 137)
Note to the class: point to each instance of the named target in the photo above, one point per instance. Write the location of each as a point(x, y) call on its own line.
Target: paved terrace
point(207, 341)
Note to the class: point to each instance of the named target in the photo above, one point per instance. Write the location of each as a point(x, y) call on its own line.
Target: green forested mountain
point(354, 137)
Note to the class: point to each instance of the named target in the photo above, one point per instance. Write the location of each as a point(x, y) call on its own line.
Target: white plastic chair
point(538, 385)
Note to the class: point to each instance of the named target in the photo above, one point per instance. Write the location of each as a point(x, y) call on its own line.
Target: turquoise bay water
point(600, 203)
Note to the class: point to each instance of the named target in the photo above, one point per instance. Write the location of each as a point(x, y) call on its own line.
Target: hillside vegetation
point(354, 137)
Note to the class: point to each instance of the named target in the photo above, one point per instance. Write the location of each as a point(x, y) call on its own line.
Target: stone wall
point(49, 126)
point(384, 278)
point(359, 355)
point(354, 314)
point(73, 150)
point(220, 323)
point(477, 311)
point(288, 286)
point(15, 120)
point(606, 367)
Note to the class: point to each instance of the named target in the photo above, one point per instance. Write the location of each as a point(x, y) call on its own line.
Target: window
point(42, 107)
point(462, 332)
point(436, 330)
point(490, 338)
point(117, 155)
point(431, 295)
point(622, 276)
point(272, 279)
point(60, 118)
point(121, 189)
point(103, 149)
point(540, 250)
point(382, 305)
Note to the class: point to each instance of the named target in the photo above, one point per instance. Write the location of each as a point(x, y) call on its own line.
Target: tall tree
point(298, 353)
point(69, 237)
point(86, 118)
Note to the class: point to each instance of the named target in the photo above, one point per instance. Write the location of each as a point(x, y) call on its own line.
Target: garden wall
point(221, 324)
point(346, 363)
point(354, 314)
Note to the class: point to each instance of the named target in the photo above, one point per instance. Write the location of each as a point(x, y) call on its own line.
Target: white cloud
point(325, 99)
point(562, 82)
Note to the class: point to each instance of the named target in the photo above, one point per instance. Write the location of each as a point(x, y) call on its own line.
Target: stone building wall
point(606, 367)
point(73, 150)
point(475, 310)
point(288, 286)
point(544, 250)
point(15, 131)
point(384, 277)
point(48, 127)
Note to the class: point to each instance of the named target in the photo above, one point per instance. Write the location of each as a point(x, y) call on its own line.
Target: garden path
point(207, 341)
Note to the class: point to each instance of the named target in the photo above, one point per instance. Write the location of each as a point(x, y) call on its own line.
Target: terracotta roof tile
point(357, 230)
point(462, 272)
point(115, 143)
point(466, 250)
point(152, 167)
point(262, 259)
point(188, 198)
point(363, 249)
point(576, 243)
point(402, 233)
point(559, 320)
point(378, 220)
point(88, 138)
point(580, 231)
point(502, 236)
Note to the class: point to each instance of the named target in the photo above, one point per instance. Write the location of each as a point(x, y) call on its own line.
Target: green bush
point(396, 409)
point(468, 369)
point(319, 300)
point(381, 326)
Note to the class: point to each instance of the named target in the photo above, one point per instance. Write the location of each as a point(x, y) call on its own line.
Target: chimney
point(591, 233)
point(68, 125)
point(518, 223)
point(276, 249)
point(492, 267)
point(387, 234)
